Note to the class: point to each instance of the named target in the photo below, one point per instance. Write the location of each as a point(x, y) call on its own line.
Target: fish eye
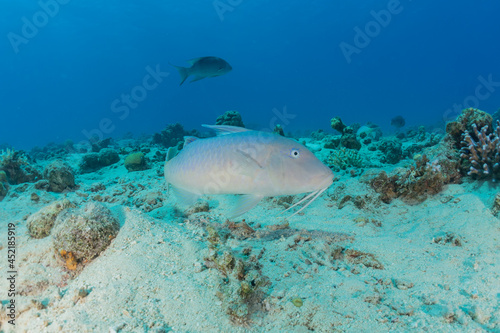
point(295, 153)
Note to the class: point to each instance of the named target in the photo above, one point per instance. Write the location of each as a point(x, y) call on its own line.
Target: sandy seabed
point(375, 267)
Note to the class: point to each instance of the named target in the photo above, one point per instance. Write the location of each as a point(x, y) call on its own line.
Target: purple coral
point(483, 153)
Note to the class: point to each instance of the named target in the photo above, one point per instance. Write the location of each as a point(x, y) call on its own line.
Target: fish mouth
point(323, 181)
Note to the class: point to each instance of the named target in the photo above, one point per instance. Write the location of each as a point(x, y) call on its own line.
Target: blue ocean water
point(66, 65)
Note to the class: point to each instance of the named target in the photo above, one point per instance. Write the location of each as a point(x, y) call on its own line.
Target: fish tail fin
point(183, 72)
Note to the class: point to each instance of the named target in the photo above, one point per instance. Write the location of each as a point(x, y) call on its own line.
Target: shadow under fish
point(203, 67)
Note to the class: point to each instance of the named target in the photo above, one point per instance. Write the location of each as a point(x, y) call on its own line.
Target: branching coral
point(482, 150)
point(344, 158)
point(464, 122)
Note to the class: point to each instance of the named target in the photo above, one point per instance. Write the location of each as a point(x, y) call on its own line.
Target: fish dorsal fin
point(244, 203)
point(172, 151)
point(226, 129)
point(192, 61)
point(188, 140)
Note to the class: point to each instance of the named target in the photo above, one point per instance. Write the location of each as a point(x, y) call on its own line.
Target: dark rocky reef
point(173, 136)
point(348, 138)
point(94, 161)
point(17, 167)
point(231, 118)
point(60, 176)
point(391, 148)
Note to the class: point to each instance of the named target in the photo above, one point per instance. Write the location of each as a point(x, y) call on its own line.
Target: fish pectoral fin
point(225, 129)
point(244, 203)
point(172, 151)
point(185, 197)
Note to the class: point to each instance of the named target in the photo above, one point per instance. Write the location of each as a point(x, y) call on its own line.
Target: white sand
point(152, 277)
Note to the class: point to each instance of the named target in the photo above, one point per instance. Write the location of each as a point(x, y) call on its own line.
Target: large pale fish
point(251, 163)
point(203, 67)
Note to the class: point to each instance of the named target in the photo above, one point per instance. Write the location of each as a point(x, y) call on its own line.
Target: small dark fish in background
point(204, 67)
point(398, 122)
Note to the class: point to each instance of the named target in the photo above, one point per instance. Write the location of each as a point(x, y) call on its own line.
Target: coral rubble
point(243, 286)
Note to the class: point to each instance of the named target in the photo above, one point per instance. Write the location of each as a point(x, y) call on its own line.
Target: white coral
point(483, 153)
